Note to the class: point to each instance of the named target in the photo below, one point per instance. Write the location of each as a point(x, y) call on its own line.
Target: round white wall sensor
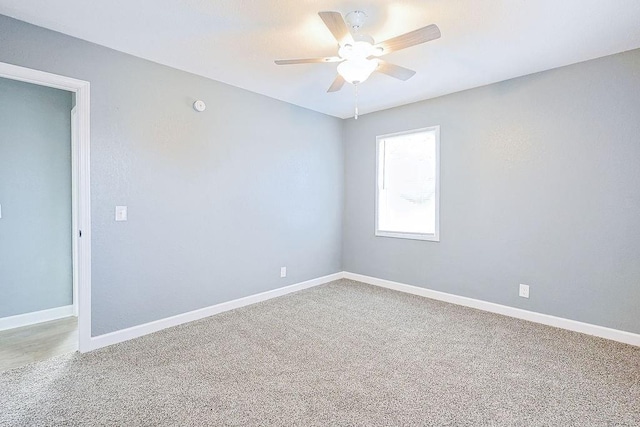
point(199, 105)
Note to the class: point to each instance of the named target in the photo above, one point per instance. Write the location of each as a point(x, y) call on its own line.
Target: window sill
point(411, 236)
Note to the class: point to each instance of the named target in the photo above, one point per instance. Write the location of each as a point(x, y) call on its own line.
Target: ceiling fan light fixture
point(356, 71)
point(356, 50)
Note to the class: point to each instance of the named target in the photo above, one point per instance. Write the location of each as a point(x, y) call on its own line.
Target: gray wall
point(218, 201)
point(540, 184)
point(35, 194)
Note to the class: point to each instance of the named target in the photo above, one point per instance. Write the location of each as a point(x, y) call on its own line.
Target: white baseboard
point(32, 318)
point(157, 325)
point(545, 319)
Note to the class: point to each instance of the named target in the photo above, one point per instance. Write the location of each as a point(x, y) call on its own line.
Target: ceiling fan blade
point(394, 70)
point(337, 84)
point(335, 23)
point(307, 60)
point(412, 38)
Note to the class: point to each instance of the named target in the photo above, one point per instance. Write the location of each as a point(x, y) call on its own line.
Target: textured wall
point(540, 184)
point(218, 201)
point(35, 194)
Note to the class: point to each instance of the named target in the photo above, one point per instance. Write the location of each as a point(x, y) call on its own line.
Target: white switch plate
point(283, 271)
point(121, 213)
point(524, 291)
point(0, 211)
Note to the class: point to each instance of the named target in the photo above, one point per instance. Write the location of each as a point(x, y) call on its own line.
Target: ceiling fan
point(358, 54)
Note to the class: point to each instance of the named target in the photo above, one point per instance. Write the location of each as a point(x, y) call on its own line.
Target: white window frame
point(433, 237)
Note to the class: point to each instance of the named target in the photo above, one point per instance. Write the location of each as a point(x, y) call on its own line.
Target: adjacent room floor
point(344, 353)
point(33, 343)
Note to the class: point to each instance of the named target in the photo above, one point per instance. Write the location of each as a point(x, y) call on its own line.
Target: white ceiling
point(236, 41)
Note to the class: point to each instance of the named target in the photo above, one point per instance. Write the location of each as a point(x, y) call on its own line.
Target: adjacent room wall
point(217, 201)
point(540, 184)
point(35, 195)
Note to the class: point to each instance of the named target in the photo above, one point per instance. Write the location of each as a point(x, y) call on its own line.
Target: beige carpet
point(339, 354)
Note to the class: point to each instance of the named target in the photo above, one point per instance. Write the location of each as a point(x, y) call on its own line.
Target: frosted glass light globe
point(356, 71)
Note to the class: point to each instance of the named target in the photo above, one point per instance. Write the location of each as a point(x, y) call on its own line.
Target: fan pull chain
point(356, 115)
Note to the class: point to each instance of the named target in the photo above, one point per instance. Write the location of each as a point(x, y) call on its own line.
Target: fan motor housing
point(356, 19)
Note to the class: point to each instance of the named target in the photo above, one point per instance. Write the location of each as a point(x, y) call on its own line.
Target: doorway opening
point(80, 228)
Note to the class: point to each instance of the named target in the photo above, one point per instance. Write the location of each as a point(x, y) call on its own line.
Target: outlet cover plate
point(121, 213)
point(524, 291)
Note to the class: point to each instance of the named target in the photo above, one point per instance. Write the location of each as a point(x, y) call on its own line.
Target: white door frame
point(81, 193)
point(74, 212)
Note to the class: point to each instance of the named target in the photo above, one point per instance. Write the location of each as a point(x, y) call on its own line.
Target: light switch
point(121, 213)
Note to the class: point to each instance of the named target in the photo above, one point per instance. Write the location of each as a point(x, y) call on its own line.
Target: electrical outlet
point(524, 291)
point(283, 271)
point(121, 213)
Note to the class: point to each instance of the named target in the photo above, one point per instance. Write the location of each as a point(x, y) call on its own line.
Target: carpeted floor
point(344, 353)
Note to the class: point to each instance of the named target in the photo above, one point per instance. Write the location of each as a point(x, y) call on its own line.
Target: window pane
point(407, 183)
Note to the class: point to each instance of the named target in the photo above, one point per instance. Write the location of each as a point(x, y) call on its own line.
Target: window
point(408, 184)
